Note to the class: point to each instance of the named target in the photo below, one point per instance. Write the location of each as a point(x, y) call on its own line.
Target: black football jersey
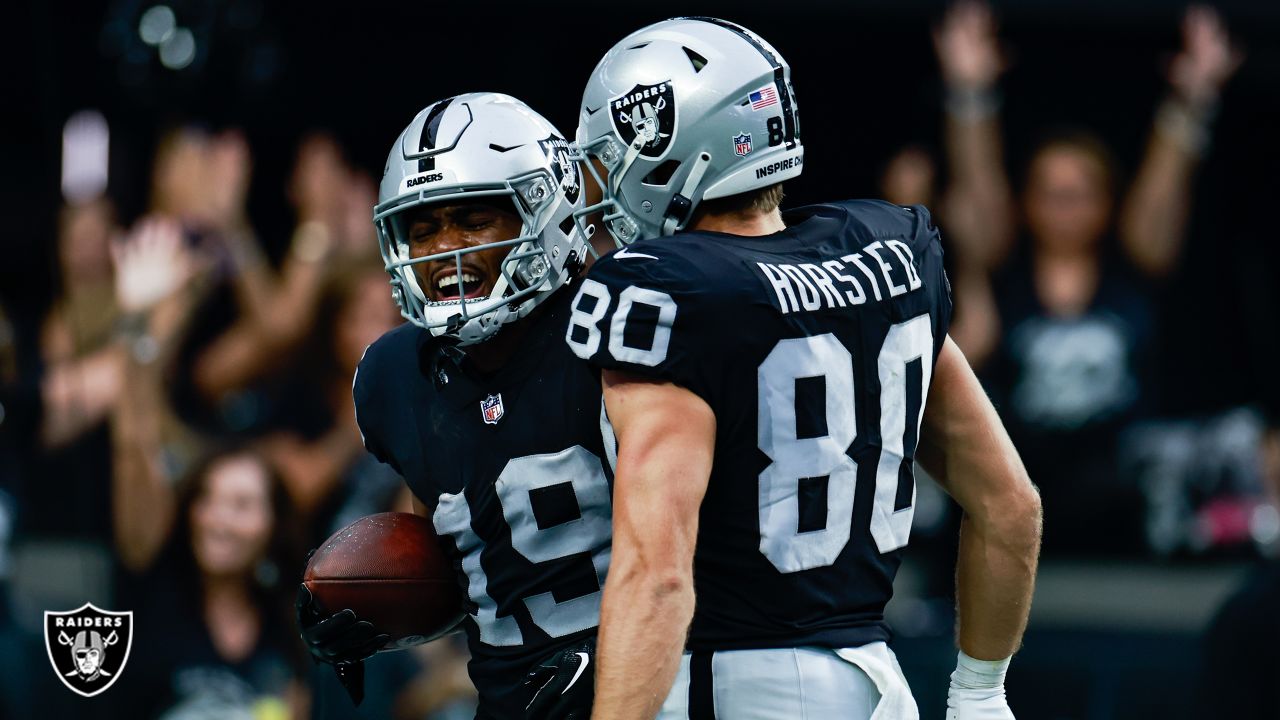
point(814, 346)
point(511, 467)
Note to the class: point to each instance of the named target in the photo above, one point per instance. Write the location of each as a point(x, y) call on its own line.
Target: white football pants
point(804, 683)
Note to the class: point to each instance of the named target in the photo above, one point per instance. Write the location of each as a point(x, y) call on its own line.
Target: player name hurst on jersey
point(838, 283)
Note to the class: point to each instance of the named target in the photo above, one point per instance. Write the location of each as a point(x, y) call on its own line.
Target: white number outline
point(591, 321)
point(657, 352)
point(906, 342)
point(792, 459)
point(590, 533)
point(650, 357)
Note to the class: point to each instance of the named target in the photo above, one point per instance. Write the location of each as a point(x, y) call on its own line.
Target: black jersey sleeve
point(909, 232)
point(647, 310)
point(370, 387)
point(926, 246)
point(364, 391)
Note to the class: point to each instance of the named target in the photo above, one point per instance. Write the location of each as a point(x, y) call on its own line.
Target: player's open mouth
point(447, 284)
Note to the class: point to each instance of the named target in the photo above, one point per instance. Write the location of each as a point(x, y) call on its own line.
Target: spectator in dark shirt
point(1062, 325)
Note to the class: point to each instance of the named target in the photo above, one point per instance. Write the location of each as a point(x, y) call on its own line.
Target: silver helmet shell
point(682, 111)
point(482, 145)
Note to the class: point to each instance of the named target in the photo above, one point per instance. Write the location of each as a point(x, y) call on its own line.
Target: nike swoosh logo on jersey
point(625, 253)
point(586, 660)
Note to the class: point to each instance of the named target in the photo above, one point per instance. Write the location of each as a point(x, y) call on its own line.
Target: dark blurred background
point(241, 140)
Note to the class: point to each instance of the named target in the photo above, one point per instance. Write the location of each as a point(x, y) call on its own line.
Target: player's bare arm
point(666, 439)
point(965, 448)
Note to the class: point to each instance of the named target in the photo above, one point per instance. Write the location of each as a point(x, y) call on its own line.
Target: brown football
point(388, 569)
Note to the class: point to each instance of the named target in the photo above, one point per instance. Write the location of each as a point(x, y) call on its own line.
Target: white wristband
point(974, 674)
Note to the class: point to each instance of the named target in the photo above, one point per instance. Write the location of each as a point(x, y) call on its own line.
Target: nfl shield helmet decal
point(88, 647)
point(742, 144)
point(491, 409)
point(646, 115)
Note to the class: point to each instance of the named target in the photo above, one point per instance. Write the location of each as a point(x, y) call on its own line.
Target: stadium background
point(1113, 634)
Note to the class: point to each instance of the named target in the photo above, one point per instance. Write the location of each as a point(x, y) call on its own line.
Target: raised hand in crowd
point(978, 207)
point(977, 204)
point(968, 50)
point(1208, 58)
point(151, 264)
point(278, 312)
point(1154, 217)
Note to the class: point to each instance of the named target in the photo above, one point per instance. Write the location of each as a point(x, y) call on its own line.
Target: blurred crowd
point(202, 396)
point(1058, 278)
point(194, 397)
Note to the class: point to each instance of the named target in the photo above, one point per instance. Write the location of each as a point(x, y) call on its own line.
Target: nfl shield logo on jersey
point(88, 647)
point(742, 144)
point(491, 409)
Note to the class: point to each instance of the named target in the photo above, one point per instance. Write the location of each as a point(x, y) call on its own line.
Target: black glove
point(339, 640)
point(563, 686)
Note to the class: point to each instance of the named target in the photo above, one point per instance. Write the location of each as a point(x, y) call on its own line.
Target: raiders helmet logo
point(88, 647)
point(564, 169)
point(646, 115)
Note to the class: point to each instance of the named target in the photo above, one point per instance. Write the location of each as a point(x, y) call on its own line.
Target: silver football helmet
point(682, 111)
point(482, 145)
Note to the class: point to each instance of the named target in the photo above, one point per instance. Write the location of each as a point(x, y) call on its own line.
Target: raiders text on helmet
point(682, 111)
point(482, 145)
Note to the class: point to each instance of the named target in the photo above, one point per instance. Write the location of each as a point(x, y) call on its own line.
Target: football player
point(478, 404)
point(772, 378)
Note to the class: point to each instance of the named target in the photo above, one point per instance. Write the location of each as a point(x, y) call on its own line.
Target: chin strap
point(615, 182)
point(681, 206)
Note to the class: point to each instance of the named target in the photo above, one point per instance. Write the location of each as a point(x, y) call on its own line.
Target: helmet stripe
point(779, 77)
point(427, 141)
point(741, 31)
